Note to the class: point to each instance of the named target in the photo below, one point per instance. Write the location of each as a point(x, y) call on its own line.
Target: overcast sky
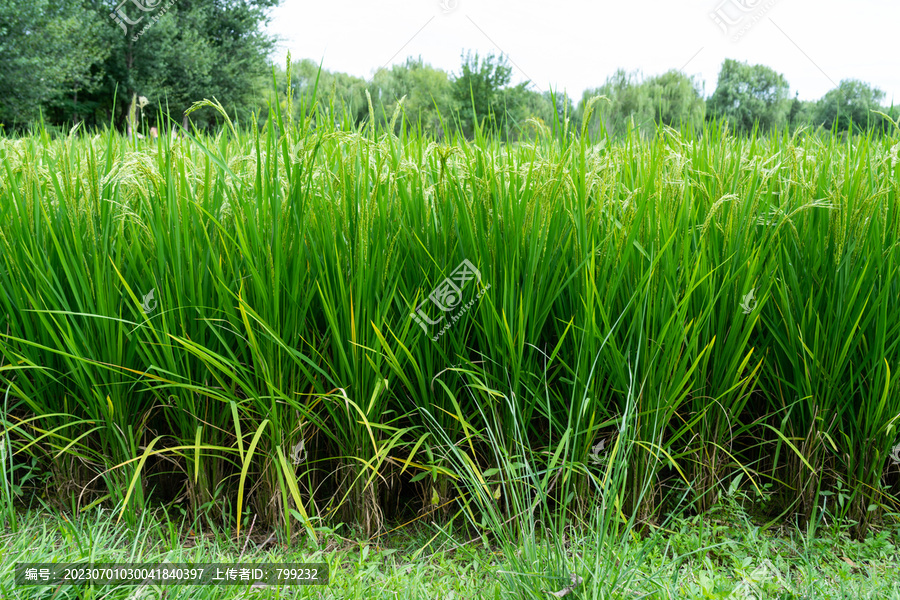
point(577, 44)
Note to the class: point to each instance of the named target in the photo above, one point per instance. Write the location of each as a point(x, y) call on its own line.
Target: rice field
point(317, 324)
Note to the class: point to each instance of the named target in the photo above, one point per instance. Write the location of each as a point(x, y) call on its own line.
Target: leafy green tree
point(342, 91)
point(850, 105)
point(48, 52)
point(628, 102)
point(796, 107)
point(670, 99)
point(675, 99)
point(750, 94)
point(801, 113)
point(72, 60)
point(428, 92)
point(479, 93)
point(549, 109)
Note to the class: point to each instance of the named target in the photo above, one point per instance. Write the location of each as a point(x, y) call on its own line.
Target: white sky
point(577, 44)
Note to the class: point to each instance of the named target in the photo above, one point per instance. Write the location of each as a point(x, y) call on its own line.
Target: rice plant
point(272, 321)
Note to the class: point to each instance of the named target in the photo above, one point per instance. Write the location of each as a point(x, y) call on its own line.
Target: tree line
point(69, 62)
point(85, 62)
point(480, 95)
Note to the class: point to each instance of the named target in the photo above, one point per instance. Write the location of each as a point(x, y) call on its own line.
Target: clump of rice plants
point(275, 322)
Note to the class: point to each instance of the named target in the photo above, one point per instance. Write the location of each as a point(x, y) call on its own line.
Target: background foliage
point(71, 63)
